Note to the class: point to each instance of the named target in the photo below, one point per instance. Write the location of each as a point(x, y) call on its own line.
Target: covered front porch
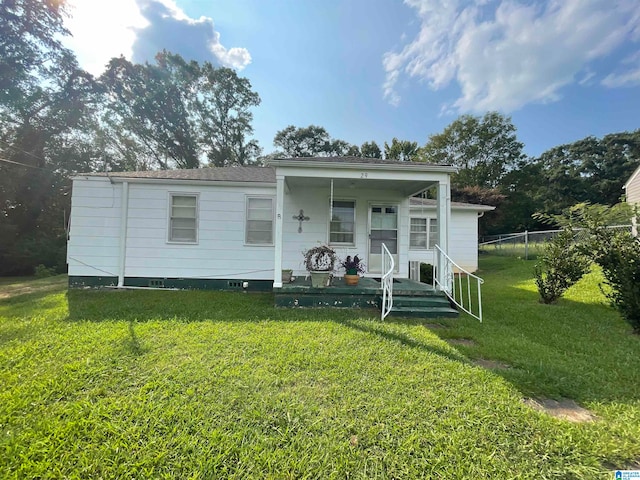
point(354, 205)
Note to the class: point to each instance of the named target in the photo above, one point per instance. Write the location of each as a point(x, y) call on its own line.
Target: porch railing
point(388, 265)
point(458, 284)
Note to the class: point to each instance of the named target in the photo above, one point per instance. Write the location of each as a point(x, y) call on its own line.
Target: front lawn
point(166, 384)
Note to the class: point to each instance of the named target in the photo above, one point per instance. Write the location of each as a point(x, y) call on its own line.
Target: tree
point(311, 141)
point(145, 105)
point(560, 265)
point(223, 103)
point(308, 141)
point(401, 150)
point(174, 113)
point(30, 32)
point(484, 149)
point(45, 103)
point(492, 220)
point(370, 150)
point(588, 170)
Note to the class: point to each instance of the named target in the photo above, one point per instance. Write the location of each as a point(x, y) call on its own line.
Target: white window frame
point(355, 224)
point(169, 218)
point(247, 200)
point(427, 232)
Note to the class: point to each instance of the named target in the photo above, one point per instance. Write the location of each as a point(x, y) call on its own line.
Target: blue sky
point(377, 69)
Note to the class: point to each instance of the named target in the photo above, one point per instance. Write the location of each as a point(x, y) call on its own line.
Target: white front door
point(383, 228)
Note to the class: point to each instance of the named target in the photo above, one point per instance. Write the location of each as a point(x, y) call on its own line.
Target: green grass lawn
point(166, 384)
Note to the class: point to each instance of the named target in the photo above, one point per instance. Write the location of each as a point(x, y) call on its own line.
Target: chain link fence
point(528, 244)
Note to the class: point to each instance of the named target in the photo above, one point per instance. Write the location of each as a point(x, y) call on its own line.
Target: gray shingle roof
point(217, 174)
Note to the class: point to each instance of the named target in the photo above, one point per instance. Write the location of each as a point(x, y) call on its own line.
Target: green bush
point(618, 253)
point(426, 273)
point(560, 265)
point(41, 271)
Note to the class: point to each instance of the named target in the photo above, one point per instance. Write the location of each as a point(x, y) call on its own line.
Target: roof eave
point(426, 167)
point(176, 181)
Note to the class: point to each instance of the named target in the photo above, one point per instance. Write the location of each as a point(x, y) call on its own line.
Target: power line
point(23, 151)
point(23, 164)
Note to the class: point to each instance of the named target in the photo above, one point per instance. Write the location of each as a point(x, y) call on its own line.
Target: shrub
point(426, 273)
point(618, 253)
point(41, 271)
point(560, 265)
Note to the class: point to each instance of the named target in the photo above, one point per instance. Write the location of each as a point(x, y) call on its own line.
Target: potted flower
point(320, 262)
point(353, 266)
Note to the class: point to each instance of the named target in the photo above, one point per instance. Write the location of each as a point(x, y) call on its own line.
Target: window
point(418, 235)
point(423, 233)
point(259, 228)
point(433, 232)
point(183, 219)
point(343, 222)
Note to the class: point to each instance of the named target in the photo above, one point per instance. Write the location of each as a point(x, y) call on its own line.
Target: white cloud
point(102, 30)
point(628, 78)
point(504, 54)
point(138, 29)
point(195, 39)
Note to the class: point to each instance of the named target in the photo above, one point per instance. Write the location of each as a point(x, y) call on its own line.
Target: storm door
point(383, 228)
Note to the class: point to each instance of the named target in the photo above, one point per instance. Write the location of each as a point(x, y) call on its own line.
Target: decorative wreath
point(320, 259)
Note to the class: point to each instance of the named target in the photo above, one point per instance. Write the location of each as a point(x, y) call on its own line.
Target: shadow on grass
point(582, 351)
point(377, 329)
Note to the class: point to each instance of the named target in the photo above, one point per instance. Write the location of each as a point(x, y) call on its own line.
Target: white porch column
point(124, 217)
point(444, 220)
point(277, 264)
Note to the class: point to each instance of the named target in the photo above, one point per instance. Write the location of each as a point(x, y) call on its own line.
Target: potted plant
point(320, 262)
point(353, 266)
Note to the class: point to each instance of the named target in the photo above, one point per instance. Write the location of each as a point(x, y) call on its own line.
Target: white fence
point(527, 244)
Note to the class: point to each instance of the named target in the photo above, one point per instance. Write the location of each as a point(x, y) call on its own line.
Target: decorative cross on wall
point(301, 218)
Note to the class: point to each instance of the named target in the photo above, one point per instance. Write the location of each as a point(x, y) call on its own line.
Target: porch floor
point(410, 298)
point(366, 286)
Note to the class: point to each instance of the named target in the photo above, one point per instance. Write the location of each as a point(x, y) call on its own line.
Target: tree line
point(57, 119)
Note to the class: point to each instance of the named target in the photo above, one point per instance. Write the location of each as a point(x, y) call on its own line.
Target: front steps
point(410, 298)
point(434, 305)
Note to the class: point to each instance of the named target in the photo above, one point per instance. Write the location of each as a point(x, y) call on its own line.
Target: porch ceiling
point(405, 187)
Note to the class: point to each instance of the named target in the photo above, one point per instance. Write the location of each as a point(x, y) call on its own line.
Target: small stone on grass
point(491, 364)
point(465, 342)
point(564, 409)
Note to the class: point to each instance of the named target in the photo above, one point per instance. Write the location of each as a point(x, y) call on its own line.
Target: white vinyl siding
point(423, 234)
point(183, 218)
point(259, 227)
point(343, 223)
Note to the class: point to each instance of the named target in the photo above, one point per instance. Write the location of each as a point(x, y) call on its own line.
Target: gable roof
point(632, 177)
point(214, 174)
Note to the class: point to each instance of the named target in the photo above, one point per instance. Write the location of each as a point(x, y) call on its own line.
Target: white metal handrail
point(388, 265)
point(456, 283)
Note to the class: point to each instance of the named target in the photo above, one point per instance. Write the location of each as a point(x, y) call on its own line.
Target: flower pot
point(286, 276)
point(351, 279)
point(320, 279)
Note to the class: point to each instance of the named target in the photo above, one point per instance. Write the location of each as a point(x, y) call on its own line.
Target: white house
point(234, 226)
point(632, 194)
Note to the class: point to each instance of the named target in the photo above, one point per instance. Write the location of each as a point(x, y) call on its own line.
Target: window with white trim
point(343, 223)
point(183, 218)
point(423, 233)
point(259, 225)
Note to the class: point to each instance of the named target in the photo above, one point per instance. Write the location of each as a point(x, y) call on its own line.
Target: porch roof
point(409, 178)
point(358, 162)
